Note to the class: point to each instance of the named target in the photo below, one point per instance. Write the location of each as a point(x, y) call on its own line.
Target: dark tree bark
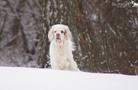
point(44, 43)
point(17, 33)
point(16, 26)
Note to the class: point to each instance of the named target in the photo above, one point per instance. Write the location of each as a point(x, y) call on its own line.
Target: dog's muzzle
point(58, 39)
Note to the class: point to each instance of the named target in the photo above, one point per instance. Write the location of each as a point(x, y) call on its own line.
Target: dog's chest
point(61, 56)
point(61, 53)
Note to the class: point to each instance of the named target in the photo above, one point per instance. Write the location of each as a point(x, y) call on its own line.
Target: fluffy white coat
point(61, 48)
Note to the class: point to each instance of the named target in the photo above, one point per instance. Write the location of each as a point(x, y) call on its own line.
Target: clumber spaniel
point(61, 48)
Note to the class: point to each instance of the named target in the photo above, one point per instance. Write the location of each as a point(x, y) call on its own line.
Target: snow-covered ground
point(45, 79)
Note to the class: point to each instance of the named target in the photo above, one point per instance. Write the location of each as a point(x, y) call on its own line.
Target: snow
point(47, 79)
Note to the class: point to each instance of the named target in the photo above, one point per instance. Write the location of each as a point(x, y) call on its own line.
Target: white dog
point(61, 48)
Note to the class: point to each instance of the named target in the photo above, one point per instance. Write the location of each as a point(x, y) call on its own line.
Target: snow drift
point(45, 79)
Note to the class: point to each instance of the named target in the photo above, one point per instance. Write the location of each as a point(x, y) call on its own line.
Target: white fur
point(61, 49)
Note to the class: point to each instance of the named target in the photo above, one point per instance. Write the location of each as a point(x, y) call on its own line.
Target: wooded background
point(105, 33)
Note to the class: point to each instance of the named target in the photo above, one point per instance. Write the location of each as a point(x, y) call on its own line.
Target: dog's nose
point(58, 35)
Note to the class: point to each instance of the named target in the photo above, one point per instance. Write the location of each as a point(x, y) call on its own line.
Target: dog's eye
point(62, 31)
point(55, 31)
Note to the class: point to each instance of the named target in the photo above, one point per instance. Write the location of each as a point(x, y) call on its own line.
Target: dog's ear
point(68, 34)
point(50, 34)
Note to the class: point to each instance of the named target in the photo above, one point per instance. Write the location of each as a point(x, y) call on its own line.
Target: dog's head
point(59, 33)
